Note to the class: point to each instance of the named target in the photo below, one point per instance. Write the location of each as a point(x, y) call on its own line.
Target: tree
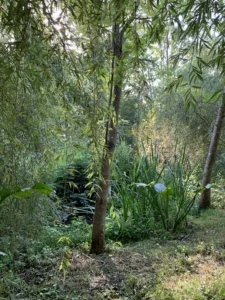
point(98, 233)
point(23, 21)
point(41, 107)
point(205, 200)
point(85, 27)
point(199, 24)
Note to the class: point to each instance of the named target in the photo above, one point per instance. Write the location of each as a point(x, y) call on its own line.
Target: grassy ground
point(189, 266)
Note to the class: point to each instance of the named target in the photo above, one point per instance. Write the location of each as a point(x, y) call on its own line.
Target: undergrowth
point(188, 265)
point(148, 195)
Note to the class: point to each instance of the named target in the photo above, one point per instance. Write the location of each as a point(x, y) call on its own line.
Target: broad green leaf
point(17, 192)
point(5, 193)
point(73, 184)
point(61, 266)
point(42, 188)
point(23, 194)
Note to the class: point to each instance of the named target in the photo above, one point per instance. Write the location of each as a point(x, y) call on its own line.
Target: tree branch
point(131, 19)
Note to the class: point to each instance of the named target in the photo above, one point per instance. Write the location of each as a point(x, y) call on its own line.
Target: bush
point(145, 189)
point(78, 232)
point(129, 230)
point(71, 188)
point(23, 220)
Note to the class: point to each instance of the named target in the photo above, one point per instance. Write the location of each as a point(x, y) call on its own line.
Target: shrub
point(23, 220)
point(78, 232)
point(145, 189)
point(72, 187)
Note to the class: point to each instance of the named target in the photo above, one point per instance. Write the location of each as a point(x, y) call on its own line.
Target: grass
point(189, 265)
point(146, 190)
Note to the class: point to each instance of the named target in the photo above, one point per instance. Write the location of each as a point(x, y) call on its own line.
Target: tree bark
point(98, 232)
point(205, 199)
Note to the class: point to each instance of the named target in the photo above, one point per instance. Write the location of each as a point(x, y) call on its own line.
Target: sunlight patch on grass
point(205, 280)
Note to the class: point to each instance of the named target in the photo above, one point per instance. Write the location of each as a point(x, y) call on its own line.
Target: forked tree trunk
point(98, 232)
point(205, 199)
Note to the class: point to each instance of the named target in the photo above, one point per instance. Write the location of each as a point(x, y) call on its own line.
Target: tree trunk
point(205, 199)
point(98, 232)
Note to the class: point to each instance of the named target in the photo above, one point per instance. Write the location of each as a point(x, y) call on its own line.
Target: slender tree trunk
point(205, 200)
point(98, 232)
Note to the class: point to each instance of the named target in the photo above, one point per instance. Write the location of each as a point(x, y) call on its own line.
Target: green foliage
point(40, 253)
point(175, 202)
point(194, 289)
point(149, 194)
point(54, 100)
point(77, 232)
point(160, 267)
point(22, 220)
point(10, 284)
point(131, 229)
point(27, 210)
point(73, 186)
point(71, 178)
point(66, 253)
point(18, 193)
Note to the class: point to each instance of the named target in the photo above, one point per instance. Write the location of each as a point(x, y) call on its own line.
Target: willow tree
point(119, 27)
point(58, 25)
point(121, 20)
point(40, 91)
point(202, 36)
point(85, 24)
point(143, 23)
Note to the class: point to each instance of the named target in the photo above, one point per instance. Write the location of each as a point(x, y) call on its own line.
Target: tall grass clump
point(149, 193)
point(176, 196)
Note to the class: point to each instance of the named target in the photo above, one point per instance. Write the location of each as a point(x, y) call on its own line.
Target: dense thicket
point(67, 68)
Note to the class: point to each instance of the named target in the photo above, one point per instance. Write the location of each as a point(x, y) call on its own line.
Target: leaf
point(64, 240)
point(217, 93)
point(140, 184)
point(57, 157)
point(61, 266)
point(212, 186)
point(5, 193)
point(42, 188)
point(215, 186)
point(17, 192)
point(202, 61)
point(119, 244)
point(2, 253)
point(67, 263)
point(73, 184)
point(196, 86)
point(159, 187)
point(88, 184)
point(23, 194)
